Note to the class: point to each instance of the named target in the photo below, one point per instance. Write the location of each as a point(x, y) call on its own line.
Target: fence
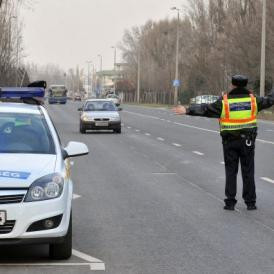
point(149, 97)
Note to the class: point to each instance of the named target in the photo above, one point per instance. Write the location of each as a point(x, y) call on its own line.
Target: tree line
point(12, 71)
point(217, 38)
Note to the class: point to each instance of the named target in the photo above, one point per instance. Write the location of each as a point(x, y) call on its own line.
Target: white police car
point(35, 185)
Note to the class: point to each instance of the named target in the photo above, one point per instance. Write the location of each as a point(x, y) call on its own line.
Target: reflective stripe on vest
point(238, 113)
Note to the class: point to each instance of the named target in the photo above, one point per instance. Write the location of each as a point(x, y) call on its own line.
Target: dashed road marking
point(160, 139)
point(147, 134)
point(137, 130)
point(129, 127)
point(164, 173)
point(176, 145)
point(194, 127)
point(198, 153)
point(222, 163)
point(75, 196)
point(268, 180)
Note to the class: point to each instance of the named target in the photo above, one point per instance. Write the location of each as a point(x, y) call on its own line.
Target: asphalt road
point(150, 200)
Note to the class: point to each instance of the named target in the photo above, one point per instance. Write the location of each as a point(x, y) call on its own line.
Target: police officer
point(237, 113)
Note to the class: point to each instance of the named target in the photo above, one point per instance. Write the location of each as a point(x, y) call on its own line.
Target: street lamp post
point(262, 78)
point(176, 84)
point(89, 62)
point(101, 61)
point(100, 78)
point(114, 69)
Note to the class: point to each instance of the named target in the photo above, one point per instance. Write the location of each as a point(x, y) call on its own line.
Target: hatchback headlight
point(86, 118)
point(45, 188)
point(115, 119)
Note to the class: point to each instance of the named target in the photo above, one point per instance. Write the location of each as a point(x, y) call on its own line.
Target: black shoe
point(251, 207)
point(229, 207)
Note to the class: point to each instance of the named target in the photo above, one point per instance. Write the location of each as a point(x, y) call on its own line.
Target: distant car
point(77, 98)
point(203, 99)
point(100, 114)
point(115, 99)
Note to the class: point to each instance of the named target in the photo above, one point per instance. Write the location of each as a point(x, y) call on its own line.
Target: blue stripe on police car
point(14, 174)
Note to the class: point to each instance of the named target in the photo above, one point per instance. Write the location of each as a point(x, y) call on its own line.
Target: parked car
point(115, 99)
point(99, 114)
point(203, 99)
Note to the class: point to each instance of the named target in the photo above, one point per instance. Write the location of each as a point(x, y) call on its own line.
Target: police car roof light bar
point(21, 93)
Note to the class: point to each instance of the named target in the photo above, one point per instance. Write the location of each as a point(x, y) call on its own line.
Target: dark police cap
point(239, 80)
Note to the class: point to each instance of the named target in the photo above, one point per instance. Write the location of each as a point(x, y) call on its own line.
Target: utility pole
point(100, 78)
point(138, 74)
point(262, 78)
point(89, 90)
point(176, 85)
point(114, 69)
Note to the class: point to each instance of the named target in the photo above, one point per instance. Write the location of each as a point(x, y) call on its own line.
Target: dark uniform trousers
point(239, 150)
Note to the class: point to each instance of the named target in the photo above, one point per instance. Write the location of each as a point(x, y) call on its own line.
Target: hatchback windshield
point(25, 133)
point(100, 106)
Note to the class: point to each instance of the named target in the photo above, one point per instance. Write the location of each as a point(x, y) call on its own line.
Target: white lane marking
point(222, 163)
point(75, 196)
point(270, 130)
point(162, 119)
point(268, 180)
point(265, 142)
point(95, 264)
point(137, 130)
point(190, 126)
point(160, 139)
point(45, 264)
point(198, 153)
point(176, 145)
point(129, 127)
point(168, 121)
point(147, 134)
point(164, 173)
point(199, 128)
point(122, 124)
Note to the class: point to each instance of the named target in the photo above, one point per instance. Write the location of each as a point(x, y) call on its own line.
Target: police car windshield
point(100, 106)
point(25, 133)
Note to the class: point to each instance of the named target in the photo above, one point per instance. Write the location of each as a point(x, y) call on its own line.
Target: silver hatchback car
point(99, 114)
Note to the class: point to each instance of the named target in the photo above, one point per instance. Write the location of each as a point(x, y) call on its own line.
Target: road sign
point(176, 83)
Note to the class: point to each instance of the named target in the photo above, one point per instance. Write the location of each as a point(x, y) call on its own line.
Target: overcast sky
point(70, 32)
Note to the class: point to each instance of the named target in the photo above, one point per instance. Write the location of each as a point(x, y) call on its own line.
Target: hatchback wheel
point(82, 128)
point(63, 250)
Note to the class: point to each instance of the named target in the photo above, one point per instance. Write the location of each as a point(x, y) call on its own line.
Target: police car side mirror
point(75, 149)
point(80, 109)
point(120, 109)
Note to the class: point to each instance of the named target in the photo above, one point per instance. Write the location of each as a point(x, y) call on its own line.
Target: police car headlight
point(46, 188)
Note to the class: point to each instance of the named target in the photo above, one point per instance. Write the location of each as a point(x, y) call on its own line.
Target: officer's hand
point(179, 110)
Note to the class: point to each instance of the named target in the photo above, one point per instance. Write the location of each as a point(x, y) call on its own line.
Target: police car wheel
point(62, 251)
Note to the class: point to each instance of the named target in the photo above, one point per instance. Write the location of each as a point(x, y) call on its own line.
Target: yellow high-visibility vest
point(238, 113)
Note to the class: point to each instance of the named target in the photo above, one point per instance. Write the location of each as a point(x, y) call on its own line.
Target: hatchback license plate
point(3, 217)
point(101, 124)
